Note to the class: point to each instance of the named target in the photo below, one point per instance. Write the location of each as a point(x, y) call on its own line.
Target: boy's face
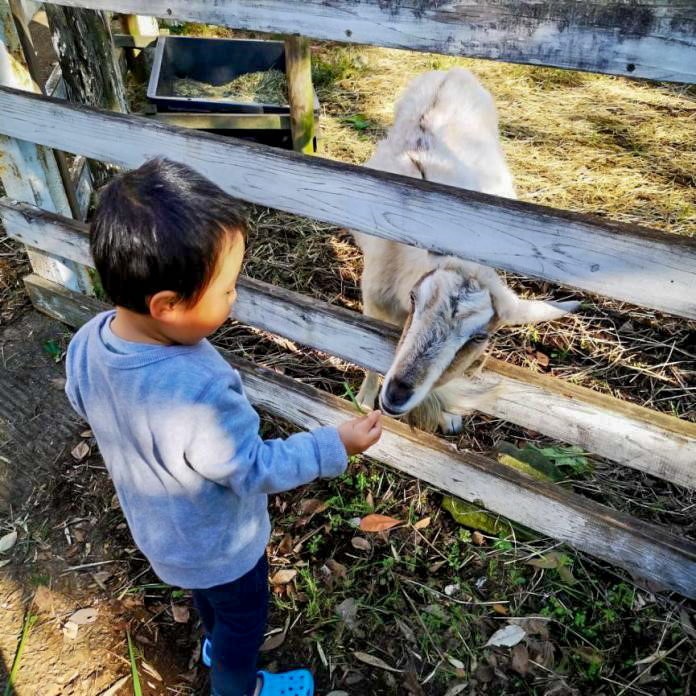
point(188, 325)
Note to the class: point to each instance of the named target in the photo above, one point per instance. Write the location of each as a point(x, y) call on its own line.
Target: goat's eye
point(480, 337)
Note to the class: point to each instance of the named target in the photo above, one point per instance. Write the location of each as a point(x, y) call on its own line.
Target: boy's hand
point(360, 433)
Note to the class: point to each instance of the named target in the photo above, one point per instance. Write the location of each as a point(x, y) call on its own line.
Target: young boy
point(178, 436)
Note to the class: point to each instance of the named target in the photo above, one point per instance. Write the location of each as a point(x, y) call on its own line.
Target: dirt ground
point(410, 611)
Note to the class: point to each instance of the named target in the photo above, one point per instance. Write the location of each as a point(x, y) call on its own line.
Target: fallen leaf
point(457, 664)
point(412, 685)
point(5, 562)
point(523, 467)
point(377, 523)
point(436, 566)
point(58, 382)
point(548, 560)
point(655, 657)
point(370, 500)
point(457, 689)
point(484, 674)
point(80, 451)
point(284, 576)
point(8, 541)
point(520, 659)
point(422, 524)
point(451, 589)
point(84, 616)
point(506, 637)
point(474, 517)
point(542, 359)
point(116, 686)
point(180, 613)
point(478, 538)
point(86, 434)
point(151, 670)
point(70, 630)
point(375, 662)
point(348, 611)
point(360, 543)
point(500, 609)
point(309, 508)
point(322, 655)
point(276, 640)
point(338, 569)
point(566, 575)
point(590, 655)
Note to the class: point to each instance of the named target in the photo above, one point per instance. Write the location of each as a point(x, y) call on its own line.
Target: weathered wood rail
point(638, 265)
point(653, 39)
point(652, 442)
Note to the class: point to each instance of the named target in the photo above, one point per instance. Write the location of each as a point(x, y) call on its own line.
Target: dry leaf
point(5, 562)
point(84, 616)
point(506, 637)
point(407, 631)
point(180, 613)
point(457, 664)
point(80, 451)
point(520, 659)
point(457, 689)
point(116, 686)
point(375, 662)
point(348, 611)
point(478, 538)
point(58, 382)
point(284, 576)
point(360, 543)
point(422, 524)
point(549, 560)
point(275, 641)
point(151, 670)
point(436, 566)
point(686, 623)
point(8, 541)
point(500, 609)
point(377, 523)
point(370, 500)
point(542, 359)
point(338, 569)
point(86, 434)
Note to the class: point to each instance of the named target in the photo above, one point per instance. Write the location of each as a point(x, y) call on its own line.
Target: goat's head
point(455, 308)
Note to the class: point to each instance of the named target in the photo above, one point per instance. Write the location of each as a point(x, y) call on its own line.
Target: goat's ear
point(514, 311)
point(518, 311)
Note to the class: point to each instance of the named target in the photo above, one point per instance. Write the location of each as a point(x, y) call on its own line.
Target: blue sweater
point(181, 443)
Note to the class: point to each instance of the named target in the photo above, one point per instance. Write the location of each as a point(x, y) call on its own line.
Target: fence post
point(85, 49)
point(138, 26)
point(298, 66)
point(29, 172)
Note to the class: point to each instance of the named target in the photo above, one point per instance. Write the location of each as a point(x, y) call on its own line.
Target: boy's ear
point(163, 304)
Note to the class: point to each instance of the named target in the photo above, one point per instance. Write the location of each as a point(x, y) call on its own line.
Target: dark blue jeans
point(234, 616)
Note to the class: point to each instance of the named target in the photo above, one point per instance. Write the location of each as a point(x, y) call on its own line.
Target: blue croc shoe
point(299, 682)
point(207, 652)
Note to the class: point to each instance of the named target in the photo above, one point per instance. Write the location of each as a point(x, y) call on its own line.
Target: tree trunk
point(85, 49)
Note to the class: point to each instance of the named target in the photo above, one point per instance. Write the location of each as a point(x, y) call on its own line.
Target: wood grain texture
point(645, 550)
point(638, 437)
point(298, 67)
point(630, 263)
point(30, 172)
point(653, 39)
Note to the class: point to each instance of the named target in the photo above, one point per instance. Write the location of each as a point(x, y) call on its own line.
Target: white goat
point(445, 130)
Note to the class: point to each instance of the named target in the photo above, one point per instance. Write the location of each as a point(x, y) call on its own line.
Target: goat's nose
point(398, 392)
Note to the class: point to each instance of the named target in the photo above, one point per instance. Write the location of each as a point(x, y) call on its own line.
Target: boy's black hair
point(160, 227)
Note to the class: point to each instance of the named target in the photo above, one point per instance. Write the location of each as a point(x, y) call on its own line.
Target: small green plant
point(29, 621)
point(358, 121)
point(137, 691)
point(54, 349)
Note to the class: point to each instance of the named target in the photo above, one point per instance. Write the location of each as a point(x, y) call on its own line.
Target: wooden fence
point(642, 266)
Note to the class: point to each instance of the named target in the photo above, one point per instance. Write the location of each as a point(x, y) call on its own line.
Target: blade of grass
point(28, 623)
point(137, 691)
point(349, 393)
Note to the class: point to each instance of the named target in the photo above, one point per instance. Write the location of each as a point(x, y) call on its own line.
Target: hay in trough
point(261, 87)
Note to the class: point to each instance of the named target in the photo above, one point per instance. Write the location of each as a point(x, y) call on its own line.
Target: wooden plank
point(298, 66)
point(223, 121)
point(645, 550)
point(29, 172)
point(638, 437)
point(630, 263)
point(653, 39)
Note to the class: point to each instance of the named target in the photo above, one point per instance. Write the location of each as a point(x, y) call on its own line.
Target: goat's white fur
point(445, 130)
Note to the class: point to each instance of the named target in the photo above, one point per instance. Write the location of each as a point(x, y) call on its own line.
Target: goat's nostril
point(398, 392)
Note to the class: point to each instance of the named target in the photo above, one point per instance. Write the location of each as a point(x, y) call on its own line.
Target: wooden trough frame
point(654, 40)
